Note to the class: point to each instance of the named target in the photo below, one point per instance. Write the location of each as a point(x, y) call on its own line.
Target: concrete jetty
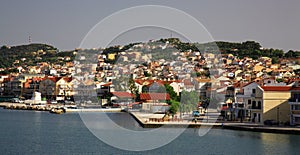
point(49, 107)
point(262, 128)
point(149, 120)
point(95, 110)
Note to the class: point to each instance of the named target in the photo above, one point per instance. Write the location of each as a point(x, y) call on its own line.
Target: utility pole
point(29, 39)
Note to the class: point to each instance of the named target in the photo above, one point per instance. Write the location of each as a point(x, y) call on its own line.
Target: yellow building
point(271, 104)
point(111, 56)
point(258, 68)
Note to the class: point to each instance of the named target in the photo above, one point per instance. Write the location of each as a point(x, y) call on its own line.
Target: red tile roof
point(154, 96)
point(276, 88)
point(52, 78)
point(123, 94)
point(68, 79)
point(296, 88)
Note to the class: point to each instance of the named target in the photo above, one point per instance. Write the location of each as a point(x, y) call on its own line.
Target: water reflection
point(39, 133)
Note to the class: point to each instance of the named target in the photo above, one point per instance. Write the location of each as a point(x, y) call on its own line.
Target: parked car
point(69, 102)
point(196, 113)
point(270, 122)
point(53, 102)
point(16, 100)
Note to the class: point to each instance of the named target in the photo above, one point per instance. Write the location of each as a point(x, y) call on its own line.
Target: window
point(253, 104)
point(253, 91)
point(297, 120)
point(249, 101)
point(259, 105)
point(295, 107)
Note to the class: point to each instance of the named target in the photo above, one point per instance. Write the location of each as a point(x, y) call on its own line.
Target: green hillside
point(28, 55)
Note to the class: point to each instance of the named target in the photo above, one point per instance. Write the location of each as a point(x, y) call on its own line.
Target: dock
point(262, 128)
point(50, 107)
point(148, 120)
point(95, 110)
point(144, 120)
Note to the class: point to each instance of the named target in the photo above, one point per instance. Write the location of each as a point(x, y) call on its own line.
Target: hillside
point(27, 55)
point(32, 54)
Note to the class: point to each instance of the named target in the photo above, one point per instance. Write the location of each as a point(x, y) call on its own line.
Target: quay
point(55, 108)
point(148, 120)
point(262, 128)
point(95, 110)
point(144, 120)
point(23, 106)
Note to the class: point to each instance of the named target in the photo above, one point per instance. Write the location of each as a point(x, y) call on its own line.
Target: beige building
point(47, 87)
point(271, 103)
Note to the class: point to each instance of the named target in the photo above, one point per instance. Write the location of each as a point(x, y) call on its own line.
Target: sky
point(63, 24)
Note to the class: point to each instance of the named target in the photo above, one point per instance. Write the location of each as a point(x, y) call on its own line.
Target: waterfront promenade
point(144, 120)
point(149, 120)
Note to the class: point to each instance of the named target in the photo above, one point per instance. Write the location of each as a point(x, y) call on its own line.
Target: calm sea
point(30, 132)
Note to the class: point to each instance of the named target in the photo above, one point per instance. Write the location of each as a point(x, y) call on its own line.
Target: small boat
point(57, 110)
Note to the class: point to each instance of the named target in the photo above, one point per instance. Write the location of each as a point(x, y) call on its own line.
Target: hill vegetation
point(32, 54)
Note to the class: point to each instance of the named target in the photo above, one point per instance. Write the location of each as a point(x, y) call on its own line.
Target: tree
point(275, 60)
point(172, 93)
point(174, 106)
point(132, 86)
point(147, 74)
point(145, 89)
point(189, 100)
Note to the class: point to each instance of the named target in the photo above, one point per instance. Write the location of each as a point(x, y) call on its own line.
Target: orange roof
point(52, 78)
point(123, 94)
point(203, 80)
point(276, 88)
point(154, 96)
point(68, 79)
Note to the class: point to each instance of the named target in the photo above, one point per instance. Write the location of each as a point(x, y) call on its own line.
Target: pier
point(144, 119)
point(50, 107)
point(148, 120)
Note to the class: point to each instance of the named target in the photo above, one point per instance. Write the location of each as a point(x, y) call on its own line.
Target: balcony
point(256, 107)
point(240, 93)
point(295, 112)
point(294, 101)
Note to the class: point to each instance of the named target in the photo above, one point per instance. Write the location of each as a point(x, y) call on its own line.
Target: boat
point(57, 110)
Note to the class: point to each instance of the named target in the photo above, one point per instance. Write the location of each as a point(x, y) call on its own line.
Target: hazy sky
point(63, 24)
